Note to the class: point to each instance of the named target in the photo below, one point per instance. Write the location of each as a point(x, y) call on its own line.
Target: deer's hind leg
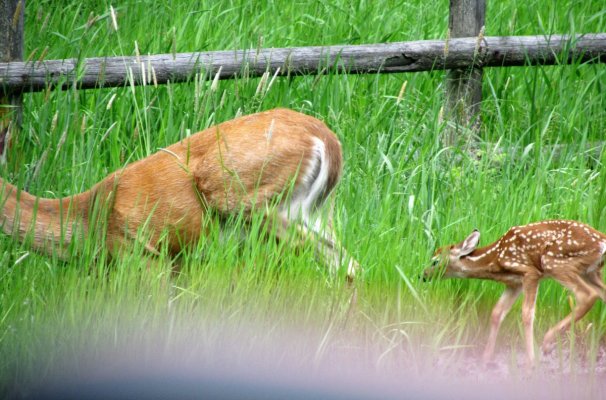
point(594, 278)
point(585, 294)
point(327, 248)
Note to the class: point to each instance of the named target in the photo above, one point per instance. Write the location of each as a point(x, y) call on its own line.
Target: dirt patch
point(557, 366)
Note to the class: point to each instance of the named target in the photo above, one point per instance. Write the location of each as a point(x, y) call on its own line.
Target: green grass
point(400, 197)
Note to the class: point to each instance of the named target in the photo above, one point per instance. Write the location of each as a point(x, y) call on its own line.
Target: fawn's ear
point(470, 243)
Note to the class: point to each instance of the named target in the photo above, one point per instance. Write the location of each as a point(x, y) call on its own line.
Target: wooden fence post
point(11, 49)
point(464, 86)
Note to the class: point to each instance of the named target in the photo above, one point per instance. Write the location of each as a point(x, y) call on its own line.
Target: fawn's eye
point(435, 262)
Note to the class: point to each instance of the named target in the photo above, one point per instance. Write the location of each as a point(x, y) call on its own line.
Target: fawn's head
point(446, 261)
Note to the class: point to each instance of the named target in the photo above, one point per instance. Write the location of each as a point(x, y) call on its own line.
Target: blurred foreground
point(219, 360)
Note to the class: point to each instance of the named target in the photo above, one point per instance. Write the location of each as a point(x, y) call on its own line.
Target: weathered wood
point(424, 55)
point(11, 49)
point(463, 94)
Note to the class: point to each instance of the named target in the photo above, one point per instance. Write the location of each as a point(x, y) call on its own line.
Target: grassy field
point(400, 197)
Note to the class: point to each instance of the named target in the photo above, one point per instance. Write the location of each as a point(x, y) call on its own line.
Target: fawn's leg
point(499, 312)
point(585, 295)
point(530, 286)
point(595, 279)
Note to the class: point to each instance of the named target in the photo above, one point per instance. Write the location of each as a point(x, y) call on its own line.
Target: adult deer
point(278, 157)
point(570, 252)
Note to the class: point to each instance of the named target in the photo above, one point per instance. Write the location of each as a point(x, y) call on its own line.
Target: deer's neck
point(482, 263)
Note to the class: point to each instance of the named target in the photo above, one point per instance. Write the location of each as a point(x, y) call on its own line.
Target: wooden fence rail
point(423, 55)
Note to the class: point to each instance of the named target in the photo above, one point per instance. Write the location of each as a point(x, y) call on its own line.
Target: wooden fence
point(463, 57)
point(424, 55)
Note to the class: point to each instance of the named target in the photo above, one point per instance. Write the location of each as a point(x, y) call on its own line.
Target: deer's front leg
point(499, 312)
point(530, 286)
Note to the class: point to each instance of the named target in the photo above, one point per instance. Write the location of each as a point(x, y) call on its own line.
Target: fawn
point(570, 252)
point(246, 164)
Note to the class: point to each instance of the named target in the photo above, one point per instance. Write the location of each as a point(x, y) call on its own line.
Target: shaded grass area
point(402, 193)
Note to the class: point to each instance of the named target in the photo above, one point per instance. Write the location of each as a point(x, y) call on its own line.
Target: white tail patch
point(305, 205)
point(308, 196)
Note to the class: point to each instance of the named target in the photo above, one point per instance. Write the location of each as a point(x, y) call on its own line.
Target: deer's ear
point(470, 243)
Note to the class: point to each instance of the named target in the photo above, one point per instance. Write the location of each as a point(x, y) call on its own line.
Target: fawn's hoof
point(547, 348)
point(488, 361)
point(490, 364)
point(548, 345)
